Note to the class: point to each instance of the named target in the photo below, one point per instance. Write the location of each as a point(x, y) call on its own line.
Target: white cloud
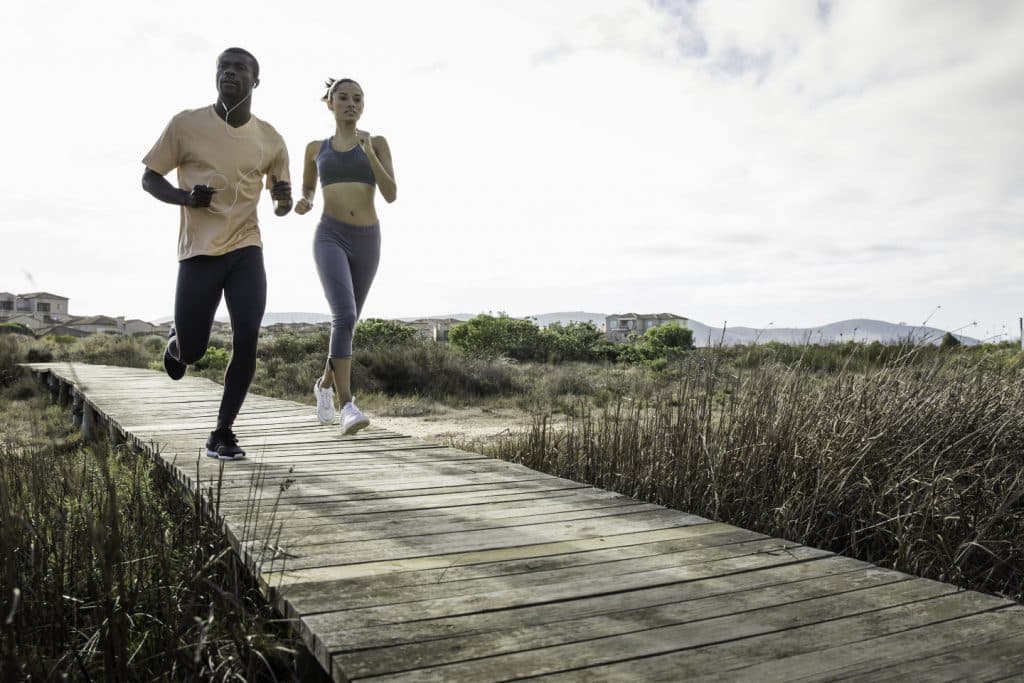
point(786, 161)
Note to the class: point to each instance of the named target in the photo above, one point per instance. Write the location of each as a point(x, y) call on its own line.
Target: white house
point(435, 329)
point(618, 327)
point(40, 304)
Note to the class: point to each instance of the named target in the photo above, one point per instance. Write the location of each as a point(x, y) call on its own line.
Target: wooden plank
point(864, 587)
point(487, 512)
point(357, 552)
point(754, 573)
point(732, 638)
point(695, 537)
point(932, 652)
point(797, 649)
point(979, 650)
point(296, 535)
point(611, 589)
point(601, 577)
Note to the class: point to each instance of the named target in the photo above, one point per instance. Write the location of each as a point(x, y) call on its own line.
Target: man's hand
point(281, 191)
point(199, 197)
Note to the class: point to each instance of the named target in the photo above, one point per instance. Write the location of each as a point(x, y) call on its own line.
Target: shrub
point(429, 370)
point(657, 345)
point(487, 336)
point(375, 332)
point(577, 342)
point(10, 355)
point(215, 359)
point(292, 348)
point(39, 354)
point(109, 349)
point(15, 328)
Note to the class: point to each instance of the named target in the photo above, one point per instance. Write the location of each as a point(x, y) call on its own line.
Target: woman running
point(351, 165)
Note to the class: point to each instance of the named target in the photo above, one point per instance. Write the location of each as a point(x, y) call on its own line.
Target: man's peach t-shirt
point(207, 151)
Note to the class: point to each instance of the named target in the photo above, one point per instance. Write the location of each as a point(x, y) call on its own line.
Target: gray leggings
point(346, 259)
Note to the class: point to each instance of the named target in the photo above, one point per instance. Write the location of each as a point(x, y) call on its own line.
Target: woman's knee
point(344, 321)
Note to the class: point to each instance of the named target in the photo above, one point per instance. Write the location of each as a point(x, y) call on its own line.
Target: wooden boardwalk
point(400, 559)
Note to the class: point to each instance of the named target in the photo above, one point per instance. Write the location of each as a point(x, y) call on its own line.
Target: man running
point(222, 153)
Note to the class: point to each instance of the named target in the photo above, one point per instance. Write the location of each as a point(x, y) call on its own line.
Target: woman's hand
point(303, 206)
point(366, 142)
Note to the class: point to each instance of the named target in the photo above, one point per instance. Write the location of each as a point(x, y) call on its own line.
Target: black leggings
point(241, 277)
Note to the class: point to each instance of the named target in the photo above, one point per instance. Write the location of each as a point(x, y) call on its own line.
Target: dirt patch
point(455, 424)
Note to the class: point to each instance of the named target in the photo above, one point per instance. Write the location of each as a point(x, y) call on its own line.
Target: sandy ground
point(453, 425)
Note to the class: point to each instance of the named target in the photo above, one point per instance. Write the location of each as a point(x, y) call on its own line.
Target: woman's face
point(346, 102)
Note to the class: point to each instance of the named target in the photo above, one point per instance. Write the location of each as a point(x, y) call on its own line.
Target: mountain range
point(860, 330)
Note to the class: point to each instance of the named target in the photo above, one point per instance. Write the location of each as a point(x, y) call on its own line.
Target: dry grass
point(109, 573)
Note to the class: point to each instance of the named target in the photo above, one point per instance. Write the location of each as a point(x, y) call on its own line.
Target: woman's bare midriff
point(350, 203)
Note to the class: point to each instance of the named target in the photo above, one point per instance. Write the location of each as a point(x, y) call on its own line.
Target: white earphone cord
point(243, 176)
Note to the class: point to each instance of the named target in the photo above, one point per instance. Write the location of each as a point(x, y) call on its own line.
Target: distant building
point(435, 329)
point(46, 313)
point(95, 324)
point(42, 305)
point(62, 330)
point(30, 321)
point(618, 327)
point(136, 327)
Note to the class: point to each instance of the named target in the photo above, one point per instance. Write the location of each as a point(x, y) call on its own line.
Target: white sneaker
point(324, 402)
point(352, 419)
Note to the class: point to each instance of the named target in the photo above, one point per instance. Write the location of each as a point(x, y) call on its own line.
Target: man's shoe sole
point(215, 454)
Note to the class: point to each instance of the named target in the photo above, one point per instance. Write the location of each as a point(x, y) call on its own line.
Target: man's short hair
point(241, 51)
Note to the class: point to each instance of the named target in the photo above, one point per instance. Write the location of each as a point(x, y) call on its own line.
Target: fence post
point(88, 422)
point(114, 433)
point(77, 403)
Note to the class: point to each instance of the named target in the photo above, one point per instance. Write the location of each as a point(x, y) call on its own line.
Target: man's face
point(236, 75)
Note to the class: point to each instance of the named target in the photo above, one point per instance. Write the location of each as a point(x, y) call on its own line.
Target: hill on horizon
point(859, 329)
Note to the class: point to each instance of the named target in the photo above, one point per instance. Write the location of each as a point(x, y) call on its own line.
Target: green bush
point(577, 342)
point(429, 370)
point(657, 346)
point(11, 354)
point(109, 349)
point(487, 336)
point(292, 348)
point(215, 359)
point(375, 332)
point(15, 328)
point(39, 354)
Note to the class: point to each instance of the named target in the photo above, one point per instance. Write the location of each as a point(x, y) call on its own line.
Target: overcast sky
point(792, 162)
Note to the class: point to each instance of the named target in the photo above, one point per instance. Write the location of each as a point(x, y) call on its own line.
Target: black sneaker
point(223, 445)
point(174, 368)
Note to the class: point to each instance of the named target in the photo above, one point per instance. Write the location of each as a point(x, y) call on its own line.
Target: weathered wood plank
point(724, 642)
point(865, 589)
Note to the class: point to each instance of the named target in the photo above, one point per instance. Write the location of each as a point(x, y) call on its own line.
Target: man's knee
point(190, 349)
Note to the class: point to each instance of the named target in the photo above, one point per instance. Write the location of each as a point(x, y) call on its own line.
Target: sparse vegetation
point(108, 573)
